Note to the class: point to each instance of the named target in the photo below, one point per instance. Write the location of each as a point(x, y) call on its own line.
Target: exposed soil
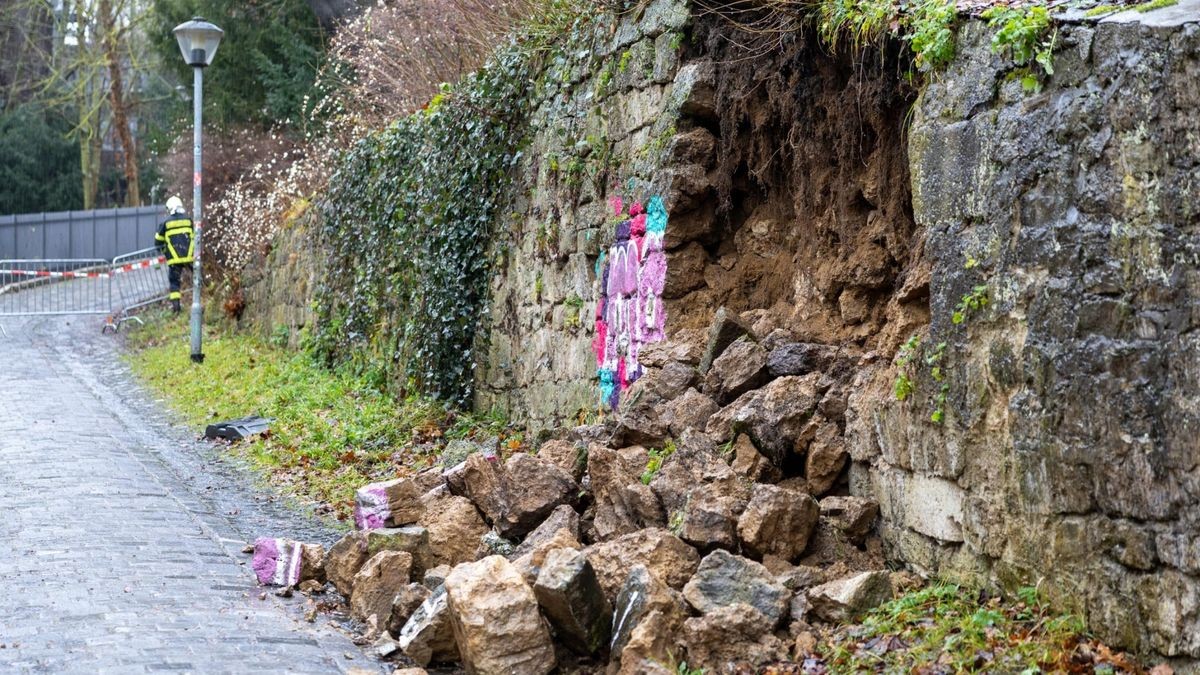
point(813, 216)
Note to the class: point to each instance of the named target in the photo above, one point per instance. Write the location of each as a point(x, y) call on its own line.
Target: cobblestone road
point(121, 536)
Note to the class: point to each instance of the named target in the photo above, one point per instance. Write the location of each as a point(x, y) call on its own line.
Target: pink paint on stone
point(266, 559)
point(371, 510)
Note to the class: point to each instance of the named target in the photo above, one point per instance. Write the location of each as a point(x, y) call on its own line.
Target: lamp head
point(198, 41)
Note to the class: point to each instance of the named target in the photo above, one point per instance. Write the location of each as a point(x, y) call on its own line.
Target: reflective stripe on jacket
point(176, 241)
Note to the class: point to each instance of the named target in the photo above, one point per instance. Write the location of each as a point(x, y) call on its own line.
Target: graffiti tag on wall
point(629, 313)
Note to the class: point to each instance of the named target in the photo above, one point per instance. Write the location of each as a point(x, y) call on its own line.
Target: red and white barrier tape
point(143, 264)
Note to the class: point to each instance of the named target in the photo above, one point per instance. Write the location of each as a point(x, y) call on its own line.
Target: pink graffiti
point(630, 313)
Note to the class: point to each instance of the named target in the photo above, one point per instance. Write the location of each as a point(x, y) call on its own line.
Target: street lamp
point(198, 41)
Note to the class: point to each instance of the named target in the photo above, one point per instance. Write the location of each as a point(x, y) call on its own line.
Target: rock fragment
point(742, 367)
point(710, 518)
point(570, 595)
point(412, 539)
point(662, 553)
point(428, 635)
point(562, 518)
point(376, 586)
point(848, 598)
point(496, 620)
point(778, 521)
point(282, 562)
point(454, 528)
point(725, 329)
point(724, 579)
point(405, 604)
point(852, 516)
point(389, 504)
point(732, 634)
point(344, 559)
point(517, 496)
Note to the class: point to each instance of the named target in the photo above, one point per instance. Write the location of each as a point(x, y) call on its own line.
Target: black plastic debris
point(236, 430)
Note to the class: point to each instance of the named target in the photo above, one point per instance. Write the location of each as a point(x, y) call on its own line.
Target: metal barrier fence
point(50, 287)
point(140, 279)
point(41, 287)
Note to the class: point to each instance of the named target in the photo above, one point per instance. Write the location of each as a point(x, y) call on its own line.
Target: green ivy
point(1026, 34)
point(407, 220)
point(411, 212)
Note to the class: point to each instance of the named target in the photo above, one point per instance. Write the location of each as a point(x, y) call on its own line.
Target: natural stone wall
point(602, 132)
point(279, 289)
point(1068, 456)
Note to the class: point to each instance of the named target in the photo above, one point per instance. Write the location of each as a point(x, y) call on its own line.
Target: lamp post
point(198, 40)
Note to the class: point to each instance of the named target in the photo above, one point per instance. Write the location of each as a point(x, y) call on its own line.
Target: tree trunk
point(120, 114)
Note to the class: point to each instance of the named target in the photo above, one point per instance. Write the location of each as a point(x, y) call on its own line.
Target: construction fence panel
point(140, 279)
point(44, 287)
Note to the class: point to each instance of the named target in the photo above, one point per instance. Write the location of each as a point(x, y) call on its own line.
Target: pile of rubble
point(676, 532)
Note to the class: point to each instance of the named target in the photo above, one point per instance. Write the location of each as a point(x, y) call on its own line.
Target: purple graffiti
point(629, 311)
point(371, 507)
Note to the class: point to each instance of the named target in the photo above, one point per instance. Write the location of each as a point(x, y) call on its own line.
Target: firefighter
point(175, 240)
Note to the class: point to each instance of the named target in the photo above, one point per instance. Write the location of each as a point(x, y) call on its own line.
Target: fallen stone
point(344, 559)
point(530, 564)
point(647, 617)
point(673, 380)
point(641, 416)
point(496, 620)
point(749, 462)
point(412, 539)
point(775, 417)
point(852, 516)
point(428, 636)
point(517, 496)
point(385, 646)
point(311, 586)
point(610, 472)
point(568, 456)
point(725, 579)
point(410, 671)
point(436, 577)
point(733, 634)
point(454, 528)
point(801, 358)
point(571, 597)
point(849, 598)
point(455, 478)
point(376, 586)
point(662, 553)
point(696, 463)
point(562, 518)
point(405, 604)
point(282, 562)
point(429, 480)
point(389, 504)
point(778, 521)
point(710, 518)
point(740, 368)
point(725, 329)
point(827, 456)
point(690, 412)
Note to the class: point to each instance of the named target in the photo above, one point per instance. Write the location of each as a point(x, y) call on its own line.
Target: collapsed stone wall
point(831, 227)
point(1068, 456)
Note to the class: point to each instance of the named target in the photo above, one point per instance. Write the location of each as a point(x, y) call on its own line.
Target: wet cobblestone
point(121, 535)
